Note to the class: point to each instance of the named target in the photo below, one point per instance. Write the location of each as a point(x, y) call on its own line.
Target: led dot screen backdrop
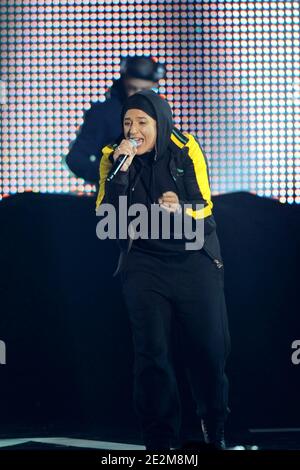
point(232, 80)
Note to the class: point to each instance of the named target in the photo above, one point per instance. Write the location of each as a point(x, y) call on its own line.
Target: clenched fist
point(170, 202)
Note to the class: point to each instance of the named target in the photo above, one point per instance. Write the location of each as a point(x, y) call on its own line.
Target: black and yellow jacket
point(177, 164)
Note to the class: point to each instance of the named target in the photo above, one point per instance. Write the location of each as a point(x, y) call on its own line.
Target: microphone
point(120, 161)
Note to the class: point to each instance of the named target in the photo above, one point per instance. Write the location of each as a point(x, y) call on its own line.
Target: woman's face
point(141, 127)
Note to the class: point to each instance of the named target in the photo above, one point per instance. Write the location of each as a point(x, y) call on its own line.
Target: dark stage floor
point(271, 439)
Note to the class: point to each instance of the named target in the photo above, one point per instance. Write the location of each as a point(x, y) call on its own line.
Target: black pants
point(190, 286)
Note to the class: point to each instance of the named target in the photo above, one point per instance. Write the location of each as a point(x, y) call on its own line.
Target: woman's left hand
point(169, 201)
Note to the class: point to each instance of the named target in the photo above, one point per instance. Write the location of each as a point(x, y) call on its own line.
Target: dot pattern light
point(232, 79)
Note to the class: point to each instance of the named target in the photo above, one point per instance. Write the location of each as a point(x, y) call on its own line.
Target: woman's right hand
point(125, 148)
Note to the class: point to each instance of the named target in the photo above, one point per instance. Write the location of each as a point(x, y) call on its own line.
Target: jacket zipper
point(137, 177)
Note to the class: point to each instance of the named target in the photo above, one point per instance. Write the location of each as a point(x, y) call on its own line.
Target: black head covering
point(138, 101)
point(143, 67)
point(158, 108)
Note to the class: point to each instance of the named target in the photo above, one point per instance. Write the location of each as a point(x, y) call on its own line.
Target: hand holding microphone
point(124, 154)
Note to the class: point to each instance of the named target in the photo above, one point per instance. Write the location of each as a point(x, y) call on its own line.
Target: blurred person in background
point(102, 124)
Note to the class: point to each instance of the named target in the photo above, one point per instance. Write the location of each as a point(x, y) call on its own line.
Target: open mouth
point(139, 142)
